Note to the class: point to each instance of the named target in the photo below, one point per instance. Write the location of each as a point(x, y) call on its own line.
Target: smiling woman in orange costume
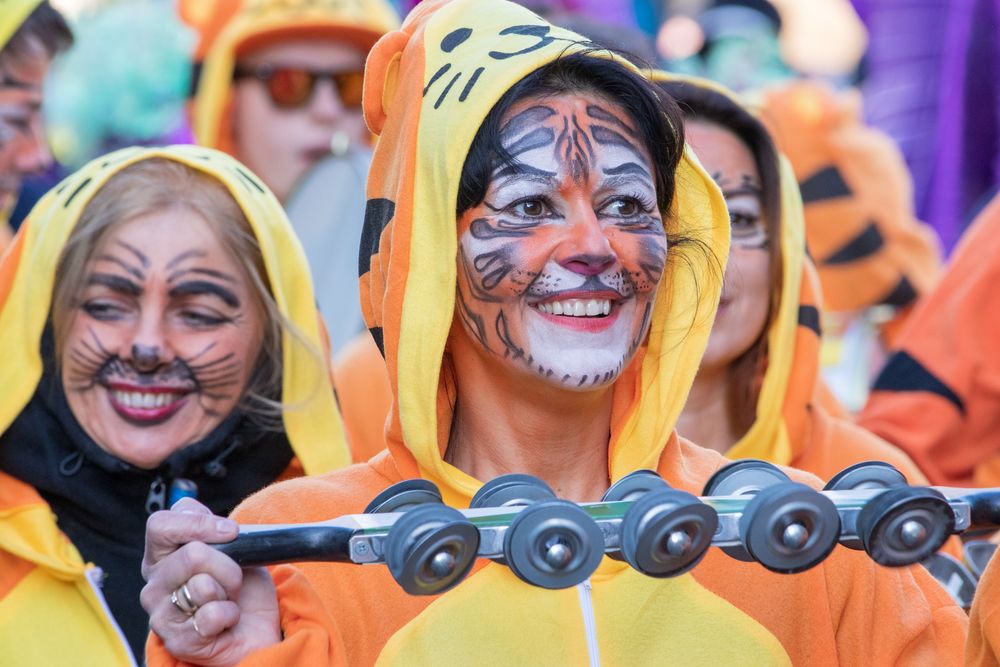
point(757, 393)
point(518, 174)
point(158, 338)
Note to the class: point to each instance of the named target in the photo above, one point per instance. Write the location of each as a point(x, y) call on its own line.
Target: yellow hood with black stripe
point(261, 22)
point(27, 274)
point(428, 88)
point(789, 382)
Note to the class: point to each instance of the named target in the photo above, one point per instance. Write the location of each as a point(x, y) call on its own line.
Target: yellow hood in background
point(12, 14)
point(779, 431)
point(260, 22)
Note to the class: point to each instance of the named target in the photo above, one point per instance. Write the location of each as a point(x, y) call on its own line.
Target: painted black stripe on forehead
point(526, 119)
point(543, 136)
point(608, 137)
point(605, 116)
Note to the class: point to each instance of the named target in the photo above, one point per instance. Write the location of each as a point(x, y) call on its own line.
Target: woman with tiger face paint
point(534, 222)
point(757, 393)
point(142, 360)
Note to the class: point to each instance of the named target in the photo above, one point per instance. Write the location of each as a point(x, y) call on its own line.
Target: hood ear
point(382, 77)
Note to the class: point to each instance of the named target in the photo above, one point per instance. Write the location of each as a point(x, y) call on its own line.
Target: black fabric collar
point(101, 503)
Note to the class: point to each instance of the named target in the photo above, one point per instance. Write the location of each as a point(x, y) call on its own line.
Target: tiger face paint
point(559, 265)
point(746, 291)
point(163, 339)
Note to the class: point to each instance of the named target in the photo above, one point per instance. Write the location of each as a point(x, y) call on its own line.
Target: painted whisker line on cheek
point(475, 286)
point(493, 266)
point(208, 364)
point(473, 320)
point(199, 354)
point(503, 333)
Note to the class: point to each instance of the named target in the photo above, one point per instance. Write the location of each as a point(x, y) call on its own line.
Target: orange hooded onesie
point(428, 88)
point(938, 397)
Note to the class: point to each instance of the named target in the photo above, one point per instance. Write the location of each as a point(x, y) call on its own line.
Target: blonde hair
point(160, 184)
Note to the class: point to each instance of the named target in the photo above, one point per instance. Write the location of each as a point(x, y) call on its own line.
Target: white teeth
point(577, 307)
point(144, 400)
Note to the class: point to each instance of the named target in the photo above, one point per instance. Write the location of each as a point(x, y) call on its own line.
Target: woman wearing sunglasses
point(283, 80)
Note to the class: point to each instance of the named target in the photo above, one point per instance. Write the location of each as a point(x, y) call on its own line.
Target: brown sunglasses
point(292, 87)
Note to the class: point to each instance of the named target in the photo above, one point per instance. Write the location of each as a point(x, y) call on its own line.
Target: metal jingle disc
point(667, 532)
point(553, 544)
point(978, 555)
point(430, 549)
point(743, 477)
point(866, 475)
point(403, 496)
point(905, 525)
point(789, 527)
point(634, 485)
point(511, 490)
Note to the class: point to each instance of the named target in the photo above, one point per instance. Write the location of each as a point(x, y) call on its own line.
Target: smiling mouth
point(577, 307)
point(146, 406)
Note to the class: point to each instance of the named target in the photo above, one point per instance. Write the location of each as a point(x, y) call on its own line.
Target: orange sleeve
point(983, 645)
point(938, 398)
point(364, 395)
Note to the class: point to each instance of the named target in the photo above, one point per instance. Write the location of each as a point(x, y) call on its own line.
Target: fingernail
point(226, 526)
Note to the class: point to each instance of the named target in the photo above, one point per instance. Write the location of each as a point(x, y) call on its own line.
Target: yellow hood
point(428, 88)
point(779, 431)
point(12, 14)
point(259, 22)
point(27, 273)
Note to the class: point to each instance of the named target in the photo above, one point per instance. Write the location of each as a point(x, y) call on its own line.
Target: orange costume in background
point(938, 398)
point(860, 226)
point(428, 87)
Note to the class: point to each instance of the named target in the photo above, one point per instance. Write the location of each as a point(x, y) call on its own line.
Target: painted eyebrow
point(627, 168)
point(197, 287)
point(745, 189)
point(624, 180)
point(520, 169)
point(143, 260)
point(116, 283)
point(211, 273)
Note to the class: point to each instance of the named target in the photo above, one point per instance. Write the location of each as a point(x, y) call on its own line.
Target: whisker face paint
point(559, 265)
point(163, 339)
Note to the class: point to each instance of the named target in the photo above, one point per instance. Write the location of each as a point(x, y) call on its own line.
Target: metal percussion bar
point(361, 538)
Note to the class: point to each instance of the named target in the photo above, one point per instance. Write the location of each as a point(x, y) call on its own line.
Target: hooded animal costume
point(794, 425)
point(327, 205)
point(13, 13)
point(938, 397)
point(68, 509)
point(428, 88)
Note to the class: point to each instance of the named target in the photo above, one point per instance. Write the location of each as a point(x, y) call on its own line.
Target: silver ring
point(181, 598)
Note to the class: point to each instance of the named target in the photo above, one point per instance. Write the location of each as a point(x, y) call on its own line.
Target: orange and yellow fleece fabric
point(42, 575)
point(429, 86)
point(938, 397)
point(861, 230)
point(258, 23)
